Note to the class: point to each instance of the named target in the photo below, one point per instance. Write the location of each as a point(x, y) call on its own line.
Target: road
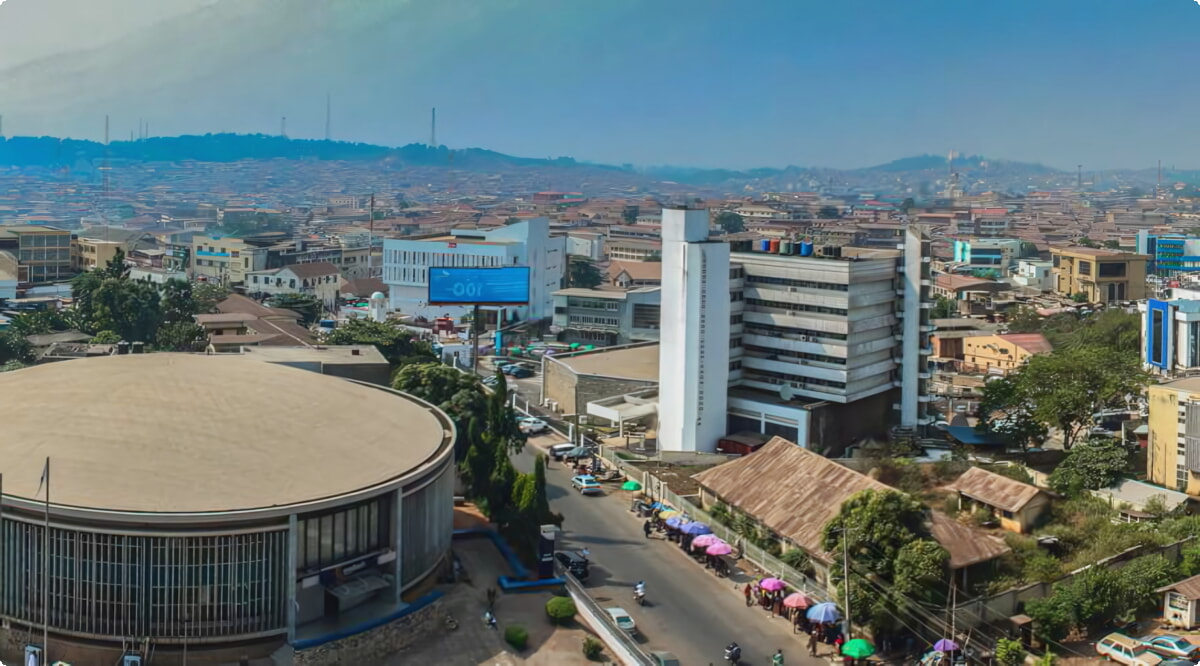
point(689, 611)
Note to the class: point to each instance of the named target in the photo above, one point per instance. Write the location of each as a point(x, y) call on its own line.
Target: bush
point(516, 636)
point(797, 559)
point(1009, 653)
point(592, 648)
point(560, 609)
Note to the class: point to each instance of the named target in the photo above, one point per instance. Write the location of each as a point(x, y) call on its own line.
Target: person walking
point(748, 594)
point(812, 643)
point(646, 528)
point(777, 660)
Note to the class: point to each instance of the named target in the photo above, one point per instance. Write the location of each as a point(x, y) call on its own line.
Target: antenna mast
point(328, 116)
point(371, 240)
point(433, 128)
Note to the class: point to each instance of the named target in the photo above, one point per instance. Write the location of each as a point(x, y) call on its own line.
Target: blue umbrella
point(824, 613)
point(659, 505)
point(674, 522)
point(696, 529)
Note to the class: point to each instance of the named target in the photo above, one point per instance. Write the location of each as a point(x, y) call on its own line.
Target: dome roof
point(379, 295)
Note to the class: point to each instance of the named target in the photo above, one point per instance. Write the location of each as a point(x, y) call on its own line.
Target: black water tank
point(138, 348)
point(122, 347)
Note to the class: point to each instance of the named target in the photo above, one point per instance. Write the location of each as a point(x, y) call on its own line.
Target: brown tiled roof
point(788, 489)
point(224, 318)
point(242, 304)
point(994, 489)
point(245, 339)
point(637, 270)
point(1188, 587)
point(965, 544)
point(364, 286)
point(1034, 343)
point(314, 269)
point(282, 332)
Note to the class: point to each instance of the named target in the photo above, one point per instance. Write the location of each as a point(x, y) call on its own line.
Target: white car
point(623, 620)
point(1125, 650)
point(531, 425)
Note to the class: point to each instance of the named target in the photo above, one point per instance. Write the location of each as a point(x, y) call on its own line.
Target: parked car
point(1125, 650)
point(1170, 645)
point(622, 619)
point(664, 658)
point(558, 451)
point(490, 380)
point(587, 484)
point(500, 363)
point(574, 563)
point(518, 372)
point(531, 425)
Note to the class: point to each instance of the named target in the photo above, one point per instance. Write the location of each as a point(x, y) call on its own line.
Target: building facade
point(320, 280)
point(1170, 335)
point(43, 253)
point(1170, 255)
point(406, 264)
point(1099, 275)
point(607, 317)
point(1173, 445)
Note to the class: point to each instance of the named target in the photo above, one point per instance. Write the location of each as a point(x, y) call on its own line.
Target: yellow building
point(220, 259)
point(1001, 354)
point(90, 253)
point(1100, 275)
point(1018, 506)
point(1173, 448)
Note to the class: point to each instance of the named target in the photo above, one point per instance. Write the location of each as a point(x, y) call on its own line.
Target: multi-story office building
point(406, 264)
point(1171, 335)
point(93, 253)
point(43, 253)
point(987, 254)
point(1173, 447)
point(817, 349)
point(224, 259)
point(1099, 275)
point(1169, 254)
point(607, 317)
point(633, 249)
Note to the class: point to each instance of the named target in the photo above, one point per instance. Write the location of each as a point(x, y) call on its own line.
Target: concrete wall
point(374, 645)
point(573, 392)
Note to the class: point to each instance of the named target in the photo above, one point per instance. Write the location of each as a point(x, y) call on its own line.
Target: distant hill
point(961, 163)
point(52, 152)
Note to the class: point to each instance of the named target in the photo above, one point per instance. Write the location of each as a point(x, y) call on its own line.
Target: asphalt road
point(689, 611)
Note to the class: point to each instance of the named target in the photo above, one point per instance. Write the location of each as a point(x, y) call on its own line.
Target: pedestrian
point(748, 594)
point(646, 528)
point(813, 642)
point(777, 660)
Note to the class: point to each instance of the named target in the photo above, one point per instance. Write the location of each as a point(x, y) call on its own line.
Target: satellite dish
point(785, 392)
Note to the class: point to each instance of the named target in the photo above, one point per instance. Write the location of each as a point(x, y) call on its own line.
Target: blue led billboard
point(479, 286)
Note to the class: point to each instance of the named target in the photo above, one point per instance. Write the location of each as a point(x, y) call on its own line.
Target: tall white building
point(695, 329)
point(822, 349)
point(406, 264)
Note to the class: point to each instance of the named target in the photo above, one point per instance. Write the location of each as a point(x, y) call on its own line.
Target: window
point(1112, 270)
point(1085, 268)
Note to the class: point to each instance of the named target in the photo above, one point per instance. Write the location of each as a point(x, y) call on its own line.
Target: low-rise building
point(607, 317)
point(1018, 506)
point(320, 280)
point(1173, 444)
point(1097, 275)
point(1001, 354)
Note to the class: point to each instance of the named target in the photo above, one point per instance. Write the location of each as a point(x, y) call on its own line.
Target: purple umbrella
point(674, 522)
point(772, 584)
point(719, 549)
point(945, 645)
point(695, 528)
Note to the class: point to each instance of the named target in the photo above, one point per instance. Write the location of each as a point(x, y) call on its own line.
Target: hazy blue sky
point(722, 83)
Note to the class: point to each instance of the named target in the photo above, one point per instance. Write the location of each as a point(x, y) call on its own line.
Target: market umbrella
point(669, 513)
point(772, 584)
point(696, 528)
point(706, 540)
point(575, 345)
point(858, 648)
point(719, 549)
point(631, 485)
point(945, 645)
point(675, 522)
point(797, 600)
point(824, 613)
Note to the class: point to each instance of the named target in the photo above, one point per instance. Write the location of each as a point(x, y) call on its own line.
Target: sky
point(716, 83)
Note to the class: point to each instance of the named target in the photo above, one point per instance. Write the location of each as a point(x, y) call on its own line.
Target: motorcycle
point(733, 654)
point(640, 597)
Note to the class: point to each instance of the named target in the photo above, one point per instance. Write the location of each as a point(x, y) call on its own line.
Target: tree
point(206, 296)
point(1140, 578)
point(582, 273)
point(1051, 617)
point(921, 572)
point(1097, 463)
point(180, 336)
point(1112, 245)
point(39, 322)
point(730, 222)
point(1086, 242)
point(829, 213)
point(106, 338)
point(115, 268)
point(1010, 652)
point(877, 524)
point(178, 302)
point(907, 205)
point(14, 347)
point(943, 308)
point(1006, 412)
point(1189, 564)
point(1023, 319)
point(397, 344)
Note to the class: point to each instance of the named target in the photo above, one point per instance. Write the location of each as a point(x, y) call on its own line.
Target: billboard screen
point(479, 286)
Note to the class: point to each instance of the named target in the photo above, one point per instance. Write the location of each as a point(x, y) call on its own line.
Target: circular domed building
point(211, 501)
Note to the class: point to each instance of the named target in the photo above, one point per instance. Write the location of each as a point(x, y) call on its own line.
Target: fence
point(623, 646)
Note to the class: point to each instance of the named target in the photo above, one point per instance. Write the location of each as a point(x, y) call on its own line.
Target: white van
point(1125, 650)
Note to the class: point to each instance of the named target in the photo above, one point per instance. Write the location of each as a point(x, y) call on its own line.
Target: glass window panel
point(339, 536)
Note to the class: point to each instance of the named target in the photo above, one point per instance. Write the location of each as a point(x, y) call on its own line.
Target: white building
point(320, 280)
point(156, 275)
point(406, 264)
point(1034, 273)
point(821, 350)
point(694, 362)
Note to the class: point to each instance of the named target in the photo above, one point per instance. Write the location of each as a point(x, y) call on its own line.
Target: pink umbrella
point(719, 549)
point(797, 600)
point(705, 540)
point(772, 584)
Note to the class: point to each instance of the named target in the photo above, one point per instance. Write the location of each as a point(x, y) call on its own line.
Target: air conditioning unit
point(803, 338)
point(793, 289)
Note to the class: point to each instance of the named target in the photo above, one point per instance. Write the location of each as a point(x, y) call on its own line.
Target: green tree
point(180, 336)
point(106, 338)
point(499, 505)
point(178, 302)
point(14, 347)
point(1115, 331)
point(1086, 242)
point(1189, 564)
point(1006, 412)
point(1140, 578)
point(1112, 245)
point(730, 222)
point(115, 268)
point(1010, 652)
point(397, 344)
point(1023, 319)
point(943, 308)
point(922, 571)
point(39, 322)
point(1051, 617)
point(130, 309)
point(1097, 463)
point(207, 295)
point(582, 273)
point(307, 306)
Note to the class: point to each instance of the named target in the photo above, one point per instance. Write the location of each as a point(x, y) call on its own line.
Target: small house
point(1180, 602)
point(1017, 506)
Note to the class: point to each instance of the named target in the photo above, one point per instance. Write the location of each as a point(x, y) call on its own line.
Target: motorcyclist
point(733, 653)
point(777, 660)
point(639, 590)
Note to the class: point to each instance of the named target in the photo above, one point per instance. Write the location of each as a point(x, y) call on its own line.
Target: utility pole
point(846, 576)
point(371, 240)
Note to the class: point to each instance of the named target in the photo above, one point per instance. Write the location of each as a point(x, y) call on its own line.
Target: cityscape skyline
point(809, 84)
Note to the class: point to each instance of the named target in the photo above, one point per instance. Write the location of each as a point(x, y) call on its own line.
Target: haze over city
point(694, 83)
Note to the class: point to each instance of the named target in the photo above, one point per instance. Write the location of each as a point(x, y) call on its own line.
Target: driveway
point(689, 611)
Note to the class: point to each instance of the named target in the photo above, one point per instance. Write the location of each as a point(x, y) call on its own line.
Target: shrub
point(592, 648)
point(516, 636)
point(950, 505)
point(797, 559)
point(560, 609)
point(1009, 652)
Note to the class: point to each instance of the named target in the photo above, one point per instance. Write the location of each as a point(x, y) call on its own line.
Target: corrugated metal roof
point(994, 489)
point(965, 544)
point(1188, 587)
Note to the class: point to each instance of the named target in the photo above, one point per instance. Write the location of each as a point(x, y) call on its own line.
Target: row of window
point(44, 254)
point(574, 320)
point(335, 537)
point(796, 381)
point(789, 354)
point(425, 259)
point(788, 332)
point(795, 307)
point(788, 282)
point(593, 303)
point(44, 240)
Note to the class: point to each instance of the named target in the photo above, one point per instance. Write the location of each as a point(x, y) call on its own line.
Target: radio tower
point(105, 168)
point(433, 128)
point(328, 115)
point(283, 127)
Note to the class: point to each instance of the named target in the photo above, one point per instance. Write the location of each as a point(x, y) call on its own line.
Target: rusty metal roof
point(965, 544)
point(788, 489)
point(994, 489)
point(1188, 587)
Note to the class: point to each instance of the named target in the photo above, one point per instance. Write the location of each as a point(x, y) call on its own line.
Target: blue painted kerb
point(369, 624)
point(519, 581)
